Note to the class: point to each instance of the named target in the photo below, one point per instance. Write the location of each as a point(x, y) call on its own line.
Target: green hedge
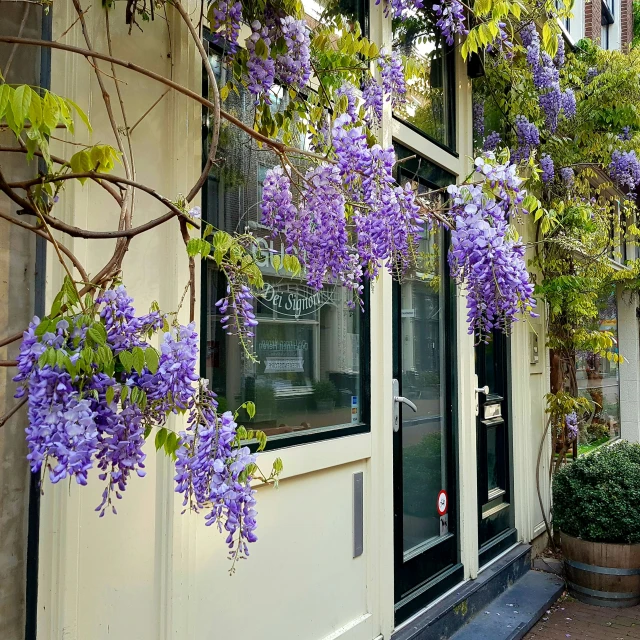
point(597, 497)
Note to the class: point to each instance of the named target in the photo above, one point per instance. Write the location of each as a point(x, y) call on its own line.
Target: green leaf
point(151, 358)
point(193, 247)
point(96, 336)
point(20, 104)
point(138, 359)
point(43, 327)
point(50, 112)
point(35, 110)
point(251, 409)
point(171, 443)
point(127, 360)
point(81, 163)
point(109, 394)
point(275, 261)
point(224, 92)
point(161, 438)
point(261, 437)
point(70, 291)
point(81, 113)
point(6, 95)
point(222, 241)
point(124, 392)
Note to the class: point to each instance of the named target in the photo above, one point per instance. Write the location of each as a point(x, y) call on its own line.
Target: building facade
point(384, 506)
point(607, 22)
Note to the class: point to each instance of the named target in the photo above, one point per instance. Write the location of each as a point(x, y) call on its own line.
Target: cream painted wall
point(150, 573)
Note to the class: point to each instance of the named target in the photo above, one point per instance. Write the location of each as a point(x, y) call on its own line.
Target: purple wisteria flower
point(546, 78)
point(528, 139)
point(492, 141)
point(626, 134)
point(482, 254)
point(567, 176)
point(393, 81)
point(571, 423)
point(502, 42)
point(373, 96)
point(293, 67)
point(349, 92)
point(478, 119)
point(212, 469)
point(548, 172)
point(400, 8)
point(383, 226)
point(236, 309)
point(225, 23)
point(451, 19)
point(261, 70)
point(592, 72)
point(625, 169)
point(568, 103)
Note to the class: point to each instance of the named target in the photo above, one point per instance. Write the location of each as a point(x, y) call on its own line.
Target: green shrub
point(597, 497)
point(325, 390)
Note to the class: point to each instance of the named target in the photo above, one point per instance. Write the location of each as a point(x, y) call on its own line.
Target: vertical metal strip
point(358, 514)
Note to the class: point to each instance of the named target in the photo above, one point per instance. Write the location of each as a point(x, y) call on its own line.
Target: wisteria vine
point(96, 390)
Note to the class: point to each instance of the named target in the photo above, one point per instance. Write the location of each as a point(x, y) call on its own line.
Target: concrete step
point(513, 613)
point(443, 619)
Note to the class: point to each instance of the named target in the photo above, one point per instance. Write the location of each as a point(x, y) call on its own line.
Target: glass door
point(495, 487)
point(425, 491)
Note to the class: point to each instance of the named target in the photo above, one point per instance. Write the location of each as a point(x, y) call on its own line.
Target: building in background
point(607, 22)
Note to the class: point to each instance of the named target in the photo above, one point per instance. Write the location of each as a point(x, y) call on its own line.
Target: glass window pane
point(424, 433)
point(307, 342)
point(429, 106)
point(599, 381)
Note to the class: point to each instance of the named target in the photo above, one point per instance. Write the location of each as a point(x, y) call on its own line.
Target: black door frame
point(496, 527)
point(421, 577)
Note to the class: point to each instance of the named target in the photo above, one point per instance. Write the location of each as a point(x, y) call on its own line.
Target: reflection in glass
point(307, 341)
point(598, 380)
point(429, 106)
point(424, 443)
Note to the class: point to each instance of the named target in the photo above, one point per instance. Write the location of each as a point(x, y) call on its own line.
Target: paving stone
point(571, 620)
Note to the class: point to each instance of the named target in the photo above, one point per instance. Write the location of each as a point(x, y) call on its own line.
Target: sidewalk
point(568, 618)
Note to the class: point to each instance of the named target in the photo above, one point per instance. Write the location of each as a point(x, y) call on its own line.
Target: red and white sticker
point(443, 502)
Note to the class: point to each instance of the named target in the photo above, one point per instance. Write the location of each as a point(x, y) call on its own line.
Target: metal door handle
point(403, 400)
point(479, 390)
point(397, 401)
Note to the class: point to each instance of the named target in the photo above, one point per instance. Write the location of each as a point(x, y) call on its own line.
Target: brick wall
point(626, 23)
point(592, 19)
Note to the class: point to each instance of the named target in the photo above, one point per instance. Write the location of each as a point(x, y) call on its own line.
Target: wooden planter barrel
point(606, 575)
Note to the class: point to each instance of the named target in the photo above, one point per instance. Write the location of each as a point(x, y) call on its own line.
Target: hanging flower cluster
point(392, 73)
point(546, 78)
point(528, 139)
point(96, 388)
point(214, 472)
point(225, 17)
point(451, 19)
point(571, 423)
point(478, 119)
point(548, 171)
point(483, 254)
point(400, 8)
point(625, 169)
point(291, 63)
point(352, 216)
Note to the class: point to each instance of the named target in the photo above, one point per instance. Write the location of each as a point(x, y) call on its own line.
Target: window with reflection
point(430, 103)
point(599, 381)
point(310, 378)
point(424, 361)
